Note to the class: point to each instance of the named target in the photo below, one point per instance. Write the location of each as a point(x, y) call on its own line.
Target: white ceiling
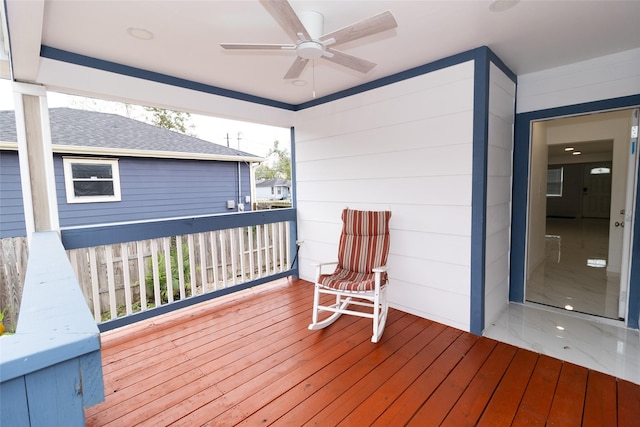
point(529, 37)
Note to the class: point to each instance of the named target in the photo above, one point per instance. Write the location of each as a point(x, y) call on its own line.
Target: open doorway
point(578, 196)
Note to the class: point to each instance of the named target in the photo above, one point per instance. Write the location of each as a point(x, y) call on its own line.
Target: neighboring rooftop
point(90, 129)
point(275, 182)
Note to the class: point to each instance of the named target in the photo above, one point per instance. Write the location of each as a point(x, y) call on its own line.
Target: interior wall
point(570, 204)
point(502, 92)
point(406, 147)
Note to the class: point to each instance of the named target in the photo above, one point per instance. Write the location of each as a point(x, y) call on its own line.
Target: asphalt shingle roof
point(105, 130)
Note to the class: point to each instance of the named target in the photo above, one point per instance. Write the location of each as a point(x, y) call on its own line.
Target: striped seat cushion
point(346, 280)
point(364, 245)
point(364, 242)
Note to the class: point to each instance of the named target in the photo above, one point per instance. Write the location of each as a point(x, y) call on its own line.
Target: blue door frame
point(521, 150)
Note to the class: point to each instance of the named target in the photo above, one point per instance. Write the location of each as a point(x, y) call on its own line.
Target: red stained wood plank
point(312, 394)
point(469, 407)
point(436, 338)
point(600, 401)
point(419, 391)
point(505, 400)
point(568, 401)
point(245, 384)
point(628, 403)
point(251, 360)
point(356, 384)
point(434, 410)
point(536, 403)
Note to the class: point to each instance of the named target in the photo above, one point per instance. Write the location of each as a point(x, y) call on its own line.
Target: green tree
point(277, 165)
point(173, 120)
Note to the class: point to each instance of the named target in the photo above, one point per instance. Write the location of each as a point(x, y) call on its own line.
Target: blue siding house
point(109, 168)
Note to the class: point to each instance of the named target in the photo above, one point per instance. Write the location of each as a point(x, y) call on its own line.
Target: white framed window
point(91, 180)
point(554, 181)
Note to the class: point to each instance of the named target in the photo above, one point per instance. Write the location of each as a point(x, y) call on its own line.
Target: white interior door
point(596, 194)
point(627, 222)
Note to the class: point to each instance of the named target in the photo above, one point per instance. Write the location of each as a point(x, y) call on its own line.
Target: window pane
point(554, 182)
point(88, 170)
point(93, 188)
point(599, 171)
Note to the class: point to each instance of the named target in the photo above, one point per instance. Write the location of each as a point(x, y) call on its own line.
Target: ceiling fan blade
point(284, 14)
point(296, 68)
point(376, 24)
point(349, 61)
point(263, 46)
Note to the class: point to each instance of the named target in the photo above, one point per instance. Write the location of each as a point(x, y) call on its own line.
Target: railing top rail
point(54, 324)
point(82, 237)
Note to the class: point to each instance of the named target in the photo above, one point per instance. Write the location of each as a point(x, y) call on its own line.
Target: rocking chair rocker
point(360, 277)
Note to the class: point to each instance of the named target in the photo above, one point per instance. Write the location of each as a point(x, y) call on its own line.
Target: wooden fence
point(121, 279)
point(13, 265)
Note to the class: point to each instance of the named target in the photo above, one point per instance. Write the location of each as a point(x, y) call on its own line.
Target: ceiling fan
point(310, 43)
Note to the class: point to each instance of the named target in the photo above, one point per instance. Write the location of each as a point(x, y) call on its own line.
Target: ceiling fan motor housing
point(310, 49)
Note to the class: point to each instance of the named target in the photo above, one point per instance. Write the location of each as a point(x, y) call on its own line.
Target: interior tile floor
point(596, 343)
point(574, 274)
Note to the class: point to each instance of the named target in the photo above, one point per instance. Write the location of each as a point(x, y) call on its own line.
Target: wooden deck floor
point(249, 359)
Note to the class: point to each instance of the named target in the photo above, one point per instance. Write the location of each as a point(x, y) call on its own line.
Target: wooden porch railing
point(51, 368)
point(131, 271)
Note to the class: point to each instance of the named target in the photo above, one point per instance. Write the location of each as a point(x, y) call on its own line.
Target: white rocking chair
point(360, 277)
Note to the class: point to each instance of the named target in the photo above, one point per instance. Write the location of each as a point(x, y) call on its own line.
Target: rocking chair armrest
point(321, 264)
point(380, 269)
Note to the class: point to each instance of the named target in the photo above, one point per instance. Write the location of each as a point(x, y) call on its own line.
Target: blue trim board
point(84, 237)
point(479, 189)
point(176, 305)
point(520, 191)
point(100, 64)
point(633, 317)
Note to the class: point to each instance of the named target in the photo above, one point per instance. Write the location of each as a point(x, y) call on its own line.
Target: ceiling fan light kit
point(306, 29)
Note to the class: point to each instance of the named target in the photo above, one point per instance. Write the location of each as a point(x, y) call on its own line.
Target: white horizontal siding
point(406, 147)
point(601, 78)
point(498, 210)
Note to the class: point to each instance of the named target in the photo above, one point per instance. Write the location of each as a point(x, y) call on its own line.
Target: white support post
point(36, 158)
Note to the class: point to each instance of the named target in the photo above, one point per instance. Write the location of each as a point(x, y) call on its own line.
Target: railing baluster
point(156, 273)
point(281, 257)
point(141, 275)
point(192, 265)
point(234, 258)
point(180, 259)
point(95, 286)
point(126, 279)
point(203, 265)
point(287, 232)
point(223, 256)
point(214, 258)
point(259, 250)
point(274, 247)
point(242, 254)
point(251, 260)
point(166, 244)
point(267, 264)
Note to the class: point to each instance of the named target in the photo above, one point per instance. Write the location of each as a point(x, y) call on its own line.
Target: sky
point(252, 138)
